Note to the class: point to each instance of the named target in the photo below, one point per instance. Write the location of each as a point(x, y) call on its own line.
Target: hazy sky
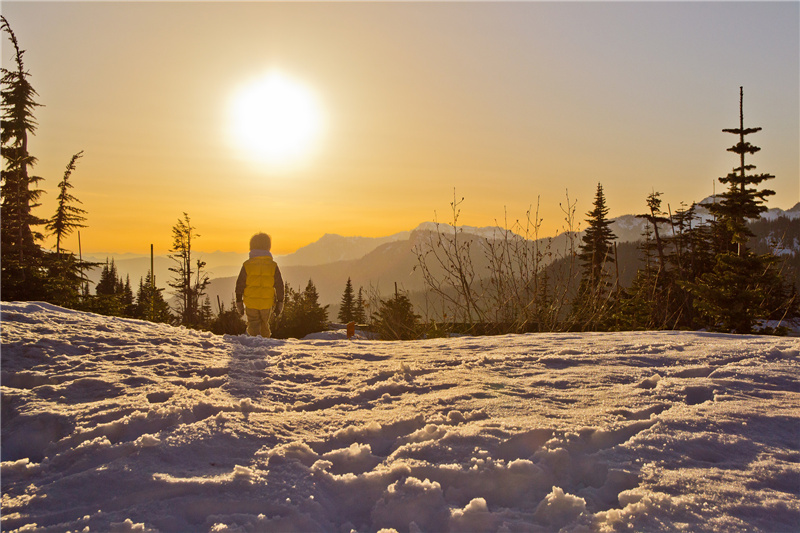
point(503, 102)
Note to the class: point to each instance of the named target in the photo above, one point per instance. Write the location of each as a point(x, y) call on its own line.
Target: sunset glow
point(362, 118)
point(275, 119)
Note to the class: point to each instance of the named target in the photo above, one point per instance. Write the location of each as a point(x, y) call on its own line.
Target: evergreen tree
point(656, 217)
point(107, 285)
point(206, 313)
point(108, 291)
point(150, 303)
point(396, 319)
point(360, 313)
point(653, 300)
point(126, 301)
point(190, 281)
point(597, 243)
point(737, 291)
point(742, 286)
point(592, 304)
point(347, 311)
point(68, 217)
point(64, 270)
point(301, 314)
point(65, 280)
point(741, 201)
point(21, 256)
point(316, 315)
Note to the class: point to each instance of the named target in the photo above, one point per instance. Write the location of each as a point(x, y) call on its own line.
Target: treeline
point(694, 273)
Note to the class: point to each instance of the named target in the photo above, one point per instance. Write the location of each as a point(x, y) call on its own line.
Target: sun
point(275, 119)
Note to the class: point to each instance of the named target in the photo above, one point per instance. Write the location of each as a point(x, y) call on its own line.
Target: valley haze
point(372, 262)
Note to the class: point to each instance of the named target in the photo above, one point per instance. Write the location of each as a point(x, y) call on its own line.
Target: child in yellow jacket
point(259, 287)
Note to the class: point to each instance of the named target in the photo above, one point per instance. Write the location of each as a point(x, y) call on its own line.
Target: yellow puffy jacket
point(260, 284)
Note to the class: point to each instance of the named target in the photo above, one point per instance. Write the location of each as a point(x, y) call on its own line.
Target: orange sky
point(505, 102)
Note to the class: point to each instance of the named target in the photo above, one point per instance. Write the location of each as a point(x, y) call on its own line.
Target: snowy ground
point(121, 425)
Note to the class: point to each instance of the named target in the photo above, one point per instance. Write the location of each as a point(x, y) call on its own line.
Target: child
point(259, 287)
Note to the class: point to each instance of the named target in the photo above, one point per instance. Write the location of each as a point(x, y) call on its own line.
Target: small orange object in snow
point(351, 329)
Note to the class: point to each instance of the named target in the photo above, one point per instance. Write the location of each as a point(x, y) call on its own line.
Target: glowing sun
point(275, 119)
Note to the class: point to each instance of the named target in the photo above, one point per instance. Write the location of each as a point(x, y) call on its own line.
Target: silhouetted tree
point(593, 301)
point(68, 217)
point(190, 281)
point(65, 272)
point(742, 286)
point(396, 320)
point(108, 292)
point(22, 274)
point(150, 303)
point(360, 315)
point(347, 311)
point(741, 201)
point(302, 314)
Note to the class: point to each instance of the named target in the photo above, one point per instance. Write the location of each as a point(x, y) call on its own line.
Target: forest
point(692, 274)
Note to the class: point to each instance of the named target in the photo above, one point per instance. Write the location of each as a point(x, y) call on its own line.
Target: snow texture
point(121, 425)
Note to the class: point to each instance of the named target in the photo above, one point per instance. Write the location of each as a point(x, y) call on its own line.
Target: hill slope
point(120, 425)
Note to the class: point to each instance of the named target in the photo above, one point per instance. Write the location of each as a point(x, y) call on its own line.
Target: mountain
point(377, 263)
point(331, 248)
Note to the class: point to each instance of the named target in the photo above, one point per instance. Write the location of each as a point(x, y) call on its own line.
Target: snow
point(111, 424)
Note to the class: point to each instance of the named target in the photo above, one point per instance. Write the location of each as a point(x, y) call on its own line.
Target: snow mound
point(121, 425)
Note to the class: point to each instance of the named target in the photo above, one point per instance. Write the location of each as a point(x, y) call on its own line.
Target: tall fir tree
point(360, 314)
point(316, 315)
point(21, 256)
point(592, 305)
point(65, 271)
point(742, 200)
point(347, 310)
point(68, 217)
point(595, 252)
point(741, 286)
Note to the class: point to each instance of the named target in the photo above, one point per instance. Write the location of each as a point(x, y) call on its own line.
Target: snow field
point(120, 425)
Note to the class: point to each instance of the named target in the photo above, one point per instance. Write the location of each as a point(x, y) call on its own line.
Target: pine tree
point(316, 316)
point(396, 319)
point(21, 256)
point(190, 281)
point(597, 243)
point(593, 302)
point(360, 313)
point(65, 272)
point(150, 303)
point(655, 217)
point(301, 314)
point(741, 201)
point(741, 286)
point(737, 291)
point(347, 310)
point(126, 300)
point(107, 292)
point(68, 217)
point(107, 285)
point(206, 313)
